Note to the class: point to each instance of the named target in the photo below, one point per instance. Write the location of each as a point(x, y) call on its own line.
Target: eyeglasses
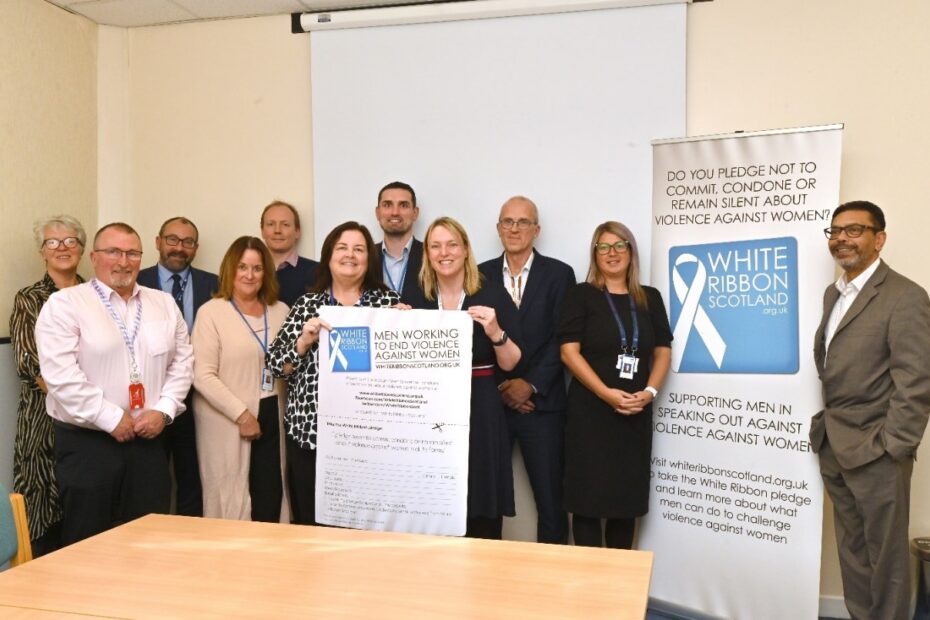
point(187, 242)
point(133, 256)
point(605, 248)
point(68, 242)
point(522, 224)
point(852, 230)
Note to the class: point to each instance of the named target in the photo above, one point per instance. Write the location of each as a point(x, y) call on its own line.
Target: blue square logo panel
point(734, 306)
point(350, 349)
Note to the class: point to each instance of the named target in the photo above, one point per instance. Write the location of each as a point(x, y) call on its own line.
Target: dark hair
point(120, 226)
point(399, 185)
point(878, 218)
point(268, 293)
point(183, 220)
point(373, 279)
point(281, 203)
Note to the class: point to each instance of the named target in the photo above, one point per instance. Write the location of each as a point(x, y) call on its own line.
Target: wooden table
point(182, 567)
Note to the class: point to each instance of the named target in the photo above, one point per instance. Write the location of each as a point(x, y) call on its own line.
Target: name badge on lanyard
point(136, 389)
point(627, 361)
point(267, 380)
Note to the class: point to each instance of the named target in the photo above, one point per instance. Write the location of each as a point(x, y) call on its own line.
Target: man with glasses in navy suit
point(177, 243)
point(534, 392)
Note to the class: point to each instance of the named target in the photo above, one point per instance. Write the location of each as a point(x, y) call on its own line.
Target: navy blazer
point(205, 284)
point(410, 291)
point(541, 362)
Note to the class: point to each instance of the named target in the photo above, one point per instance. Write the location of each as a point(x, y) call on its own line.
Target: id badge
point(267, 380)
point(136, 396)
point(626, 364)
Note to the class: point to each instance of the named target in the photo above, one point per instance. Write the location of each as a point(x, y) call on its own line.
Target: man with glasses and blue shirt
point(872, 351)
point(401, 253)
point(177, 243)
point(534, 392)
point(118, 363)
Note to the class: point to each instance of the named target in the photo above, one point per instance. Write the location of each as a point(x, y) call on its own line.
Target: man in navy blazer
point(177, 243)
point(401, 254)
point(872, 351)
point(534, 392)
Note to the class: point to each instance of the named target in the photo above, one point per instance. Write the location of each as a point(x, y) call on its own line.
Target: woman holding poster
point(616, 341)
point(451, 280)
point(349, 275)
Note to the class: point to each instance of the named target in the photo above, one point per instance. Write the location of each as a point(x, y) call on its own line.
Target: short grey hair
point(60, 221)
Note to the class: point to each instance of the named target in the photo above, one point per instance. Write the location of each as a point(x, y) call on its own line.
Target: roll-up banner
point(739, 253)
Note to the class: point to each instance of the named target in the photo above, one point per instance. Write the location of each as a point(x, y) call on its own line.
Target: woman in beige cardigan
point(236, 402)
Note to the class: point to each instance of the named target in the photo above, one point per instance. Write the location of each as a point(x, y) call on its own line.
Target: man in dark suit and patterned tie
point(177, 243)
point(872, 351)
point(534, 392)
point(401, 253)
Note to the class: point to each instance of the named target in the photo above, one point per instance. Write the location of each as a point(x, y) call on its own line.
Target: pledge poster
point(393, 420)
point(740, 257)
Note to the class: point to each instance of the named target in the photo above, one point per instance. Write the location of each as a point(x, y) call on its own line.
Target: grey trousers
point(870, 510)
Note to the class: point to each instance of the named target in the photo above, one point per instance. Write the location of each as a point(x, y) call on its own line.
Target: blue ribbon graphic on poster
point(350, 349)
point(734, 306)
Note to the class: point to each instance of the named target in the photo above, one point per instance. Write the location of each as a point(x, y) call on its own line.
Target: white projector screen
point(560, 108)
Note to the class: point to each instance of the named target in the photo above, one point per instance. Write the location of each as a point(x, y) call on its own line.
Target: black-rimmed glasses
point(852, 230)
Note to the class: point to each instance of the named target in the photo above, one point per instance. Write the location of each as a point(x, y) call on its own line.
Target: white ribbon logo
point(335, 339)
point(693, 314)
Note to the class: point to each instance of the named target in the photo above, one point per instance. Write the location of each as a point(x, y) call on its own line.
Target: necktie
point(177, 291)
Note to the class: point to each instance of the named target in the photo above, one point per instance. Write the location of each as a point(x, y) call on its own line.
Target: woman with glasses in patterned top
point(60, 240)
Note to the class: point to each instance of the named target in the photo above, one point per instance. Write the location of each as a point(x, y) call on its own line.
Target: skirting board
point(833, 607)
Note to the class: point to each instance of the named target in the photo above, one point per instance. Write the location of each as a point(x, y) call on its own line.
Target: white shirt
point(516, 283)
point(848, 293)
point(85, 362)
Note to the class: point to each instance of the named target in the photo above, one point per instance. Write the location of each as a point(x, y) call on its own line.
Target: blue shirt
point(395, 269)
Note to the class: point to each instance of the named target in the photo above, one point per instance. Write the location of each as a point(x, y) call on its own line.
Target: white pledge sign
point(392, 425)
point(739, 256)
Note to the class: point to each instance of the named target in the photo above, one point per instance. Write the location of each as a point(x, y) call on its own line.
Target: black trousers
point(181, 445)
point(617, 533)
point(540, 437)
point(301, 482)
point(103, 483)
point(265, 487)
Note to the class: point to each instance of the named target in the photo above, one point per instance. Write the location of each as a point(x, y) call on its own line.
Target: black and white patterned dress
point(33, 448)
point(300, 417)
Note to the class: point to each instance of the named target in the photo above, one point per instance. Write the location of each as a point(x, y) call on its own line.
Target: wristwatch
point(168, 418)
point(502, 341)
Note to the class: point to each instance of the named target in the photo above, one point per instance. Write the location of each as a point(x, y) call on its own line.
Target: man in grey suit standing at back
point(872, 351)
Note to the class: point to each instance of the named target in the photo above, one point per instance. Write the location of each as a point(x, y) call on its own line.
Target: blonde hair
point(428, 280)
point(595, 276)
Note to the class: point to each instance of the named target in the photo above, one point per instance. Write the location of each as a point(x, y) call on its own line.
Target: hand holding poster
point(393, 420)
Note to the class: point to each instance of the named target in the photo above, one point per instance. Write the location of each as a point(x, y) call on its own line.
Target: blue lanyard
point(387, 273)
point(128, 340)
point(264, 345)
point(613, 310)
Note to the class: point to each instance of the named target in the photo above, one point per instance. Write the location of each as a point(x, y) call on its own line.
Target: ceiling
point(134, 13)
